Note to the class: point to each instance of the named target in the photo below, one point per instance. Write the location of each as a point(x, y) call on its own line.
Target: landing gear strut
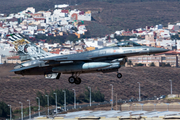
point(119, 75)
point(74, 79)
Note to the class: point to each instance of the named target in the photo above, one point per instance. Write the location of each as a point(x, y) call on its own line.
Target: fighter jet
point(107, 59)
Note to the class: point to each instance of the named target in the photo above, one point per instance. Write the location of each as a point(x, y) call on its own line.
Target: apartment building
point(171, 57)
point(13, 59)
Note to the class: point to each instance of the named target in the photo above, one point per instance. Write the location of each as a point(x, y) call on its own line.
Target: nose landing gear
point(119, 75)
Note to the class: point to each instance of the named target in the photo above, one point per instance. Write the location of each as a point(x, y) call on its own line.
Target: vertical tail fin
point(26, 49)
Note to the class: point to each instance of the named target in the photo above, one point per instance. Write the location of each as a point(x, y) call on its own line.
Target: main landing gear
point(74, 79)
point(119, 75)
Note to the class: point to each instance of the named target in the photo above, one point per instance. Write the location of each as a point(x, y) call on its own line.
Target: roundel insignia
point(25, 48)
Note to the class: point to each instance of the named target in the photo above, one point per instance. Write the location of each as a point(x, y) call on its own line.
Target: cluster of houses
point(57, 21)
point(157, 36)
point(29, 22)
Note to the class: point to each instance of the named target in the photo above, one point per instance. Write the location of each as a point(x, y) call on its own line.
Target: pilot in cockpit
point(127, 44)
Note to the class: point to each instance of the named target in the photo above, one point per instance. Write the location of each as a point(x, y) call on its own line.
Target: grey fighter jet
point(107, 59)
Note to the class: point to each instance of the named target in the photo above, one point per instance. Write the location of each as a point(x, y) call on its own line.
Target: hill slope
point(154, 82)
point(111, 15)
point(131, 15)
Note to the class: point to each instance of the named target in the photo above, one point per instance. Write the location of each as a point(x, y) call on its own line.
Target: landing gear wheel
point(72, 79)
point(78, 81)
point(119, 75)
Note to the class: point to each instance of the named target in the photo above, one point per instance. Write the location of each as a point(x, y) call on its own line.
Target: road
point(44, 113)
point(68, 108)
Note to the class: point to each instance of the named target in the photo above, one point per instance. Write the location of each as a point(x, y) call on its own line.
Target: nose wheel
point(119, 75)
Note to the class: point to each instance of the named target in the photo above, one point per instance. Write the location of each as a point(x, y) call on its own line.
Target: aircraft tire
point(119, 75)
point(78, 81)
point(72, 79)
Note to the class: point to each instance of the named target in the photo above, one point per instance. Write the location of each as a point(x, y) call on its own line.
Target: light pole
point(74, 98)
point(139, 91)
point(29, 110)
point(167, 106)
point(56, 101)
point(141, 106)
point(112, 97)
point(90, 95)
point(64, 100)
point(21, 110)
point(47, 103)
point(154, 107)
point(171, 85)
point(38, 105)
point(10, 112)
point(116, 101)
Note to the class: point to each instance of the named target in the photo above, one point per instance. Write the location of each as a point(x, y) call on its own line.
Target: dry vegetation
point(111, 15)
point(154, 82)
point(130, 15)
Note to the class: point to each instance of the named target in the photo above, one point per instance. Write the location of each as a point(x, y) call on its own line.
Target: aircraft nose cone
point(154, 50)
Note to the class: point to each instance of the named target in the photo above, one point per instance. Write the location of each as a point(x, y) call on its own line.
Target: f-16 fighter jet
point(35, 61)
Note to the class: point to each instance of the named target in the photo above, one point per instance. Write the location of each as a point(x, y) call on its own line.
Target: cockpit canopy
point(127, 44)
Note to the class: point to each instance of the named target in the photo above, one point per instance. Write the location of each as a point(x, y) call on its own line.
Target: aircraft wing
point(23, 68)
point(65, 58)
point(59, 59)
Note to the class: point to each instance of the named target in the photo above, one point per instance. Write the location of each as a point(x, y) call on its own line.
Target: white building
point(48, 46)
point(57, 16)
point(19, 15)
point(174, 27)
point(32, 28)
point(63, 22)
point(164, 33)
point(12, 24)
point(141, 33)
point(166, 43)
point(94, 43)
point(160, 26)
point(4, 30)
point(31, 9)
point(119, 32)
point(61, 6)
point(170, 27)
point(19, 29)
point(27, 32)
point(178, 44)
point(5, 49)
point(67, 51)
point(82, 29)
point(84, 17)
point(47, 14)
point(81, 16)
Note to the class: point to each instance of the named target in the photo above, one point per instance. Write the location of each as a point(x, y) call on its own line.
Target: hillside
point(111, 15)
point(130, 15)
point(154, 82)
point(10, 6)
